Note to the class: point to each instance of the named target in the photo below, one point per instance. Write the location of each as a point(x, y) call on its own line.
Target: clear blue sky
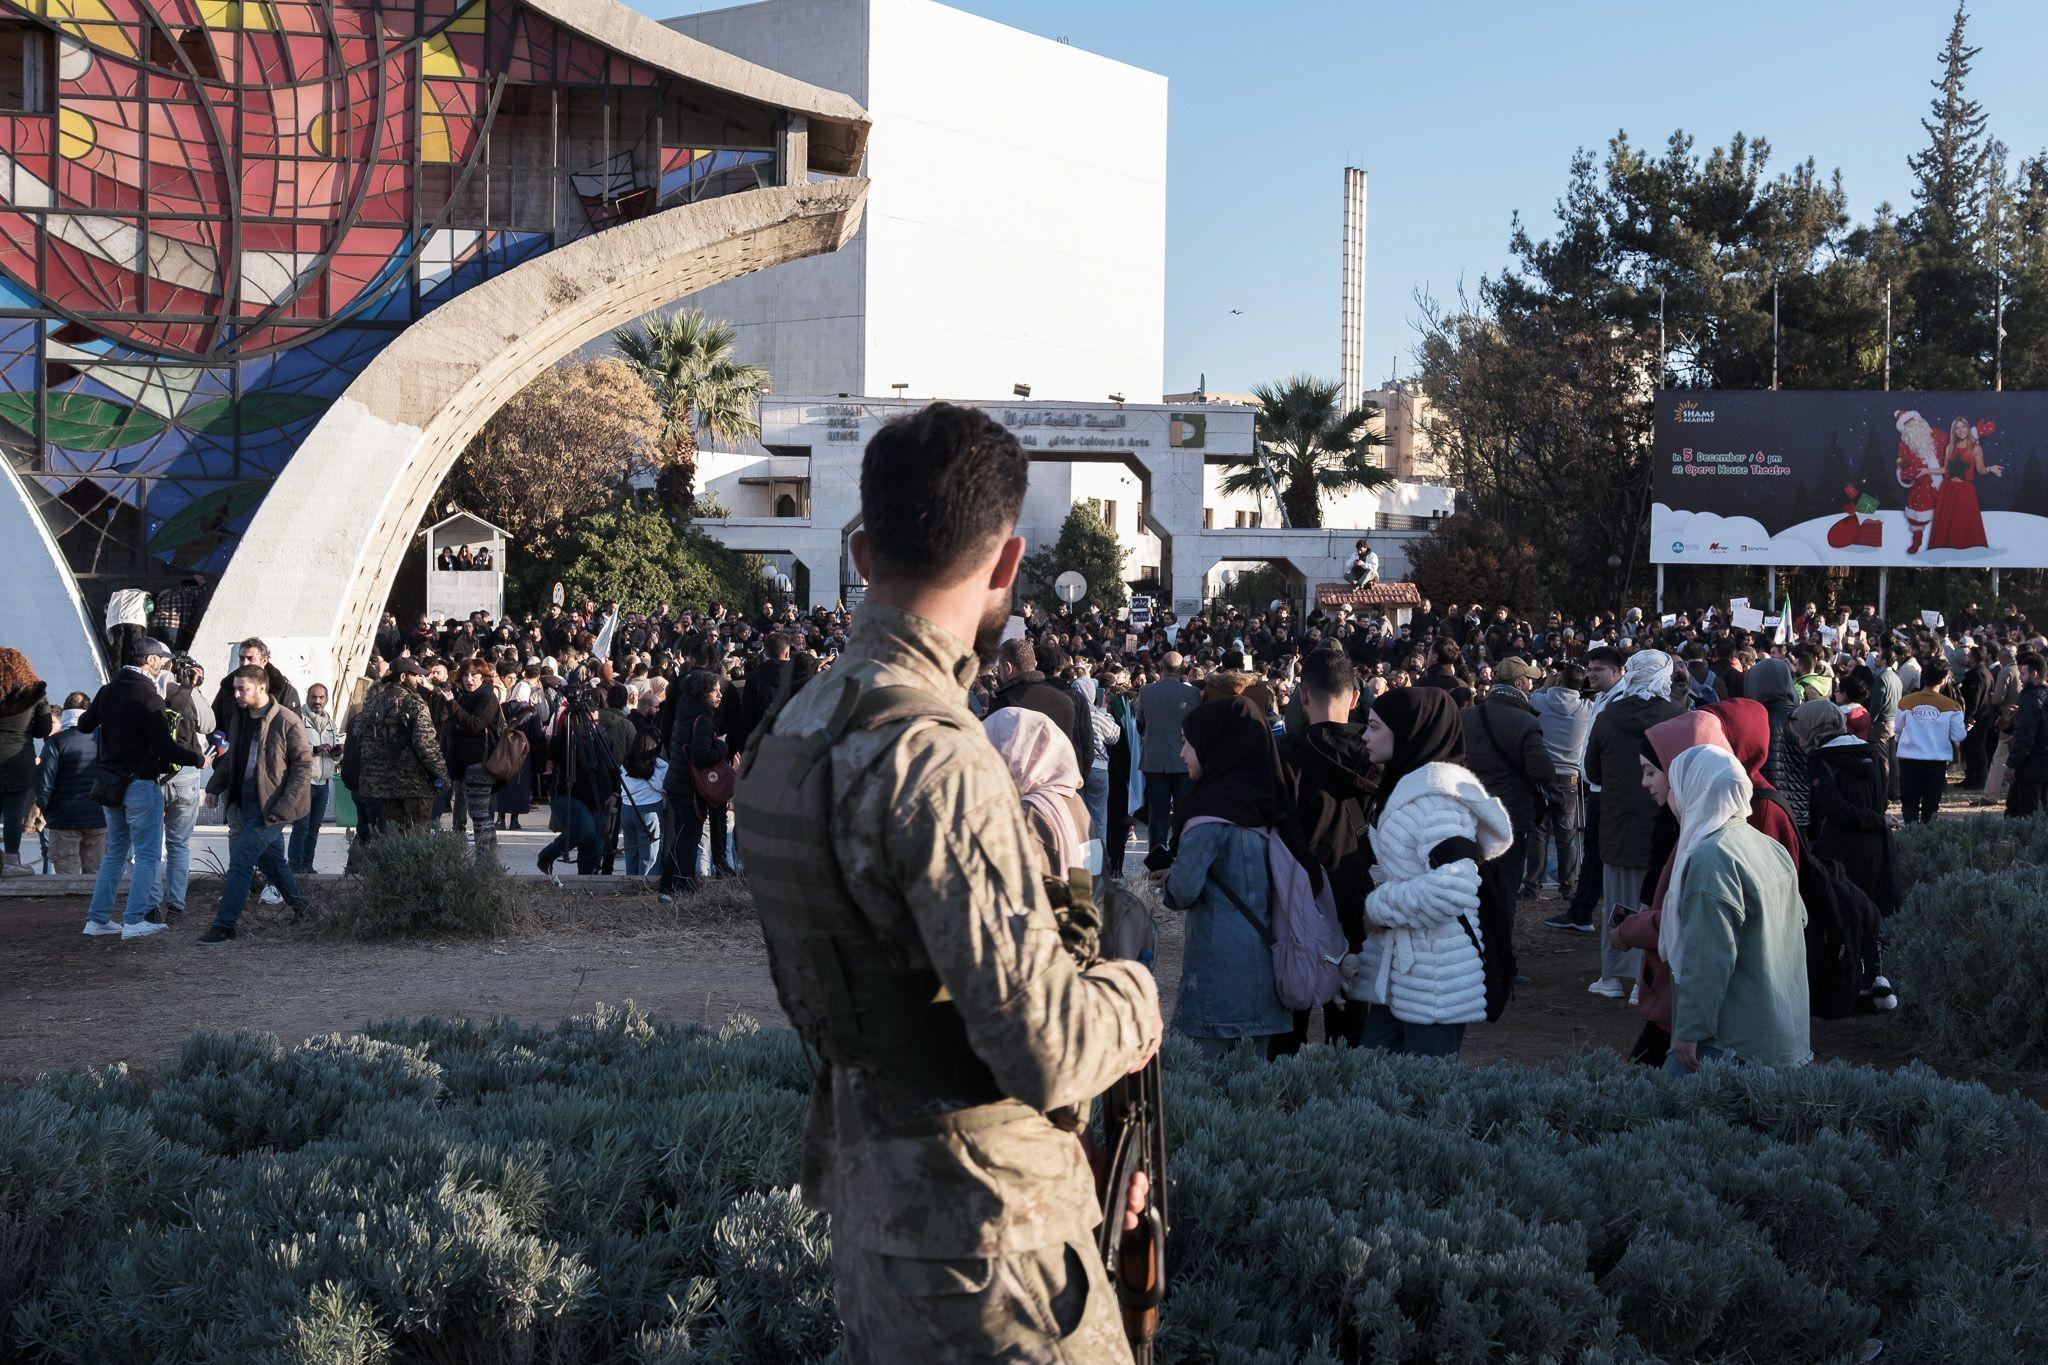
point(1465, 112)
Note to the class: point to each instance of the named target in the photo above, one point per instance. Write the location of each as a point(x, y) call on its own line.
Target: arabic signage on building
point(1081, 431)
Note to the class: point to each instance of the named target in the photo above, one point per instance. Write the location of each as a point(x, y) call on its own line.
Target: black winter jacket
point(1846, 824)
point(1504, 748)
point(1329, 780)
point(134, 729)
point(25, 717)
point(2028, 755)
point(64, 781)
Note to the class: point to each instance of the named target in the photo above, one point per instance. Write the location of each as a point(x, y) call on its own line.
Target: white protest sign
point(1737, 603)
point(1746, 618)
point(1931, 619)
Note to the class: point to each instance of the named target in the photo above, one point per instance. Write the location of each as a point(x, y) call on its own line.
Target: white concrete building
point(1050, 271)
point(1152, 469)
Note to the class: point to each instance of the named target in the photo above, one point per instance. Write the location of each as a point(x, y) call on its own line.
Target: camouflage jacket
point(401, 758)
point(930, 839)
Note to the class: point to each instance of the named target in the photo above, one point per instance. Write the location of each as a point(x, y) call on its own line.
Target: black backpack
point(1841, 933)
point(1495, 941)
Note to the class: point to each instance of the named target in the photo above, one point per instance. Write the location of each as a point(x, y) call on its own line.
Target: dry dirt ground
point(67, 999)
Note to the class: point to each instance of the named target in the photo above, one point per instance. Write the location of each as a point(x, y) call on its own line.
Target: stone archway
point(314, 568)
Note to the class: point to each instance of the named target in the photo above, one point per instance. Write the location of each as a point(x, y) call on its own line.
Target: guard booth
point(1399, 601)
point(454, 591)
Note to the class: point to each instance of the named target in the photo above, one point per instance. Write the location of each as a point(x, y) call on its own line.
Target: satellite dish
point(1070, 587)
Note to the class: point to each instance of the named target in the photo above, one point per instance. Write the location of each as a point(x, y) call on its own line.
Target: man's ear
point(857, 548)
point(1008, 560)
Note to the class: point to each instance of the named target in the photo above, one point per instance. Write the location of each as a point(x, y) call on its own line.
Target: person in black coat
point(1019, 683)
point(764, 681)
point(25, 717)
point(1846, 818)
point(694, 742)
point(1327, 779)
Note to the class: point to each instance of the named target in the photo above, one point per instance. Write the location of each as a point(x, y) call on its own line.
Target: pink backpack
point(1303, 932)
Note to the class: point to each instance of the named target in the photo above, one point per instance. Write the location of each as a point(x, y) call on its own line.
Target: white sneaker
point(1635, 995)
point(142, 930)
point(1609, 986)
point(94, 929)
point(270, 896)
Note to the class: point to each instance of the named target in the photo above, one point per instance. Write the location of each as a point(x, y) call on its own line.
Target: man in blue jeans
point(264, 780)
point(136, 744)
point(191, 718)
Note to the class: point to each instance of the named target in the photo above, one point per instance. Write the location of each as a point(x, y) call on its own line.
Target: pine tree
point(1090, 548)
point(1951, 172)
point(1948, 340)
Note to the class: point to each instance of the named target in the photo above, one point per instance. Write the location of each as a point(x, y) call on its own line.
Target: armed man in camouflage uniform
point(402, 766)
point(914, 948)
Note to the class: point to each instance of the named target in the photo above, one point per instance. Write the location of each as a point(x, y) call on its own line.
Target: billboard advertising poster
point(1860, 480)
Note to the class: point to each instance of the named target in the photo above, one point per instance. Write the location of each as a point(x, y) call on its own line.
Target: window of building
point(1141, 518)
point(785, 506)
point(1208, 518)
point(1254, 518)
point(1240, 518)
point(24, 68)
point(1109, 514)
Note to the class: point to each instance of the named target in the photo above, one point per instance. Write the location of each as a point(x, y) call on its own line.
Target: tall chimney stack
point(1351, 352)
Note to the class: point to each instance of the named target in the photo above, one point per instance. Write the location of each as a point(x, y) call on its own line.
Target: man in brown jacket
point(265, 782)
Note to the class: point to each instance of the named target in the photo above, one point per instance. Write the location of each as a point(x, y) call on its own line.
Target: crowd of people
point(1609, 757)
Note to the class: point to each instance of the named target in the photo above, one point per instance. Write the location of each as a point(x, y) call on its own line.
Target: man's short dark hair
point(1327, 672)
point(256, 644)
point(1572, 675)
point(1604, 654)
point(253, 672)
point(617, 697)
point(2030, 660)
point(936, 486)
point(776, 645)
point(1019, 654)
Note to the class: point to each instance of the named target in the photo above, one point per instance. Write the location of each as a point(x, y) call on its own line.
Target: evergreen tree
point(1948, 338)
point(1087, 546)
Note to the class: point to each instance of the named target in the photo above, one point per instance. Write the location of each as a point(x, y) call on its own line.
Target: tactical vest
point(850, 992)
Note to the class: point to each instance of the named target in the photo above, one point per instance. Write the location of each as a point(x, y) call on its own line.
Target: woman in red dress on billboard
point(1958, 516)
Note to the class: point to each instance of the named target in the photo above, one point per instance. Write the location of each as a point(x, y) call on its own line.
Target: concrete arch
point(314, 568)
point(45, 617)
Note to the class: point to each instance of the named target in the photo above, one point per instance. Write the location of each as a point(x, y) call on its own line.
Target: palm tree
point(1314, 450)
point(687, 360)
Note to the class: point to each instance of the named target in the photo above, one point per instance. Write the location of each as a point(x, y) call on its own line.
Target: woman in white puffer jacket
point(1420, 973)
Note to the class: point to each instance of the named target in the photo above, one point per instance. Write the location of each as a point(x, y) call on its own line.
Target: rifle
point(1134, 1139)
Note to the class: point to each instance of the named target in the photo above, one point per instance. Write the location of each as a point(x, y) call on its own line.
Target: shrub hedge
point(1972, 843)
point(1969, 953)
point(617, 1190)
point(420, 883)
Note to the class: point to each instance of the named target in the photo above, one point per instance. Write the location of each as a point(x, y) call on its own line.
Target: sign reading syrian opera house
point(1051, 431)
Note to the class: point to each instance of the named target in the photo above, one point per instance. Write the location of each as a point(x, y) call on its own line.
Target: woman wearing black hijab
point(1420, 972)
point(1226, 974)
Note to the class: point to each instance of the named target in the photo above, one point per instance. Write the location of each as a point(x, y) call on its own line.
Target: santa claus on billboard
point(1920, 472)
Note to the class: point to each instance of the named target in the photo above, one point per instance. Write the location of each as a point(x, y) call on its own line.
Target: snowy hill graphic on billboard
point(1899, 480)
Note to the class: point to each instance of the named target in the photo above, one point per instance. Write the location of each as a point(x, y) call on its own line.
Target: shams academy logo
point(1690, 413)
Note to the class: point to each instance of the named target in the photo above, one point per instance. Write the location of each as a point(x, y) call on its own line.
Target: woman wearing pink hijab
point(1662, 744)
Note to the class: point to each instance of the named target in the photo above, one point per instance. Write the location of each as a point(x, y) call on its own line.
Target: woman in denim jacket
point(1219, 877)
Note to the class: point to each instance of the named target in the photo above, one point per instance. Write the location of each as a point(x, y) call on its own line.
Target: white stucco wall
point(1050, 271)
